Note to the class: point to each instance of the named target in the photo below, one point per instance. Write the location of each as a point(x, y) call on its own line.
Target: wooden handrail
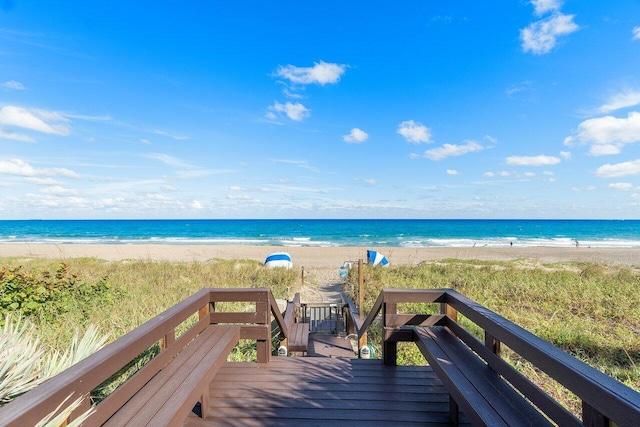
point(275, 310)
point(353, 311)
point(604, 394)
point(83, 377)
point(373, 313)
point(603, 397)
point(290, 312)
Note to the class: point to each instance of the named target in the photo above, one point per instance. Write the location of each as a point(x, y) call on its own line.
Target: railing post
point(362, 340)
point(263, 347)
point(204, 311)
point(389, 347)
point(592, 418)
point(168, 339)
point(492, 343)
point(449, 311)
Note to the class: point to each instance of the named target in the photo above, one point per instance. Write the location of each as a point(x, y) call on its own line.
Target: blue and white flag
point(376, 258)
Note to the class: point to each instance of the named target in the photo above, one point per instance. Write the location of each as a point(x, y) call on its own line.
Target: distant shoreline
point(319, 257)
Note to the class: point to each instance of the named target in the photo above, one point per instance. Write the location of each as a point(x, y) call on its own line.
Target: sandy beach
point(320, 257)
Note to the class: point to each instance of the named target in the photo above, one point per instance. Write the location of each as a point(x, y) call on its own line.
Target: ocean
point(332, 232)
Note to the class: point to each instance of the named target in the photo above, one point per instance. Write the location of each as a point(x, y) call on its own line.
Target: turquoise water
point(393, 233)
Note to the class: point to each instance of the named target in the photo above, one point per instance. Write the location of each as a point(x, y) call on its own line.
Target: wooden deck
point(323, 391)
point(335, 389)
point(329, 346)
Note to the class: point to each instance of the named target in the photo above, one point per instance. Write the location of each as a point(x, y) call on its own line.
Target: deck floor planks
point(314, 391)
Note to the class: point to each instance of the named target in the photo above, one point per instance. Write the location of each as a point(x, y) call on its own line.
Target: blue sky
point(337, 109)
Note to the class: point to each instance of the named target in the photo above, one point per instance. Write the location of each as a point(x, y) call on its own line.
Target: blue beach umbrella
point(278, 259)
point(376, 258)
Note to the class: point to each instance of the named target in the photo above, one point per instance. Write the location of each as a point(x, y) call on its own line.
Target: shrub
point(49, 295)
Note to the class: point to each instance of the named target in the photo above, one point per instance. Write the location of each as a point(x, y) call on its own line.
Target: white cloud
point(540, 37)
point(12, 84)
point(540, 160)
point(621, 186)
point(566, 155)
point(171, 135)
point(295, 112)
point(169, 160)
point(519, 87)
point(196, 205)
point(238, 197)
point(543, 6)
point(449, 150)
point(321, 73)
point(618, 101)
point(414, 132)
point(41, 181)
point(607, 134)
point(452, 172)
point(370, 181)
point(604, 150)
point(37, 120)
point(7, 134)
point(58, 190)
point(356, 136)
point(489, 174)
point(636, 33)
point(619, 169)
point(145, 141)
point(19, 167)
point(235, 188)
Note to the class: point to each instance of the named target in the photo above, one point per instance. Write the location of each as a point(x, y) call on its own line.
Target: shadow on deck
point(323, 391)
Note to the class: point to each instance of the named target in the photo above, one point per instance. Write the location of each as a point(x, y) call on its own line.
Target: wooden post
point(389, 347)
point(263, 346)
point(492, 343)
point(362, 340)
point(592, 418)
point(302, 277)
point(168, 339)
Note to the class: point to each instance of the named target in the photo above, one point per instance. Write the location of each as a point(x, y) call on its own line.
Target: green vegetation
point(26, 363)
point(591, 311)
point(58, 299)
point(117, 296)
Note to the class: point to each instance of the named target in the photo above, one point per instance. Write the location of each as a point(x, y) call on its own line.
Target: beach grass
point(589, 310)
point(592, 311)
point(139, 290)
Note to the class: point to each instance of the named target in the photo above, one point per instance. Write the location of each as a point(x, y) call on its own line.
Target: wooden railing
point(604, 400)
point(81, 379)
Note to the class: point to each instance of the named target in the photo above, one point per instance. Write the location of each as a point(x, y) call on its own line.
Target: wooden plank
point(244, 421)
point(606, 395)
point(474, 405)
point(436, 394)
point(299, 339)
point(240, 317)
point(511, 406)
point(314, 414)
point(210, 345)
point(554, 410)
point(92, 371)
point(325, 391)
point(123, 393)
point(328, 346)
point(393, 320)
point(239, 295)
point(191, 388)
point(258, 404)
